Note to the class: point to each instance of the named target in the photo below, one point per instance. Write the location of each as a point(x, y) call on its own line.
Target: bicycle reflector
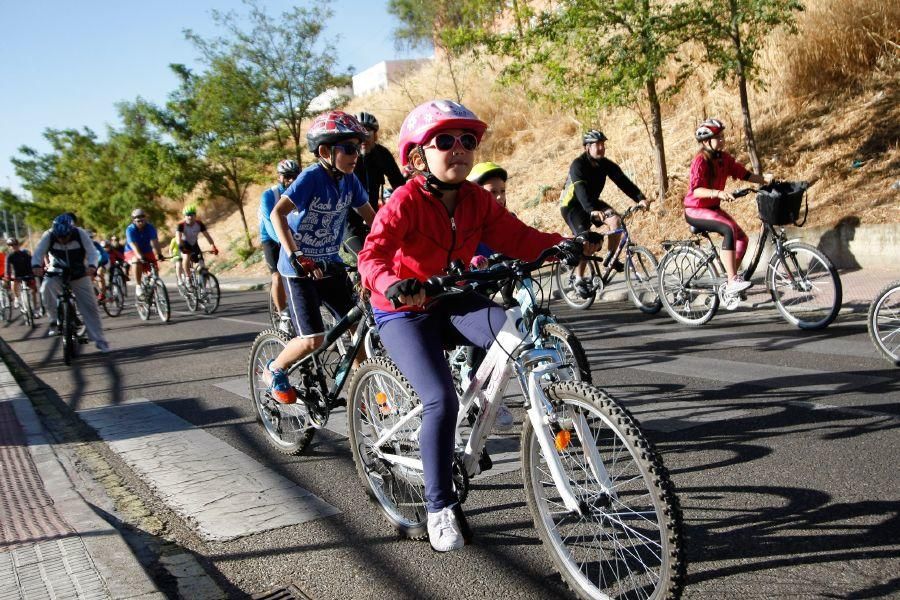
point(562, 438)
point(382, 400)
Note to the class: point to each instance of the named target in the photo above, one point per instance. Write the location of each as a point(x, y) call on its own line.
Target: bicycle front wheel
point(288, 426)
point(642, 280)
point(687, 286)
point(626, 541)
point(65, 322)
point(27, 307)
point(805, 286)
point(161, 300)
point(884, 322)
point(115, 299)
point(208, 293)
point(380, 399)
point(565, 282)
point(6, 308)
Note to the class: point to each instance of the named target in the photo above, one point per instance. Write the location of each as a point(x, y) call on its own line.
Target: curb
point(117, 565)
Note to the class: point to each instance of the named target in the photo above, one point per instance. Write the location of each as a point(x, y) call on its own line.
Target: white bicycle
point(601, 499)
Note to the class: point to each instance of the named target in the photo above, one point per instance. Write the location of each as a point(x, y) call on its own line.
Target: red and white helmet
point(427, 119)
point(709, 129)
point(334, 127)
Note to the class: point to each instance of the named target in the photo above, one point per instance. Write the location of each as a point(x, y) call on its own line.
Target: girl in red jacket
point(710, 170)
point(436, 218)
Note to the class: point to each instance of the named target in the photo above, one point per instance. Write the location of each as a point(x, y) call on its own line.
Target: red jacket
point(413, 236)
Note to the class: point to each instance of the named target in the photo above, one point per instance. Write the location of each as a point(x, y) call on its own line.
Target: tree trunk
point(662, 175)
point(240, 206)
point(453, 75)
point(748, 127)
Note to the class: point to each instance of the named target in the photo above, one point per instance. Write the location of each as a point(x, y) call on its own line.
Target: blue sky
point(65, 64)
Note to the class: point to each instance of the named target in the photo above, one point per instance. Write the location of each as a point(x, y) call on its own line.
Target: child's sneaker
point(583, 288)
point(444, 532)
point(279, 386)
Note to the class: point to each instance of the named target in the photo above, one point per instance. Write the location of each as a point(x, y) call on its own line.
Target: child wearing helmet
point(309, 220)
point(287, 171)
point(435, 218)
point(710, 170)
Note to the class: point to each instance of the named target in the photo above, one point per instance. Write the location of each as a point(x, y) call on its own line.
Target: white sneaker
point(504, 420)
point(736, 285)
point(444, 533)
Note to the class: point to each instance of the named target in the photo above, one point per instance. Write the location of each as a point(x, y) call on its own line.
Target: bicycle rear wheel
point(288, 426)
point(565, 282)
point(161, 301)
point(687, 286)
point(884, 322)
point(208, 293)
point(626, 541)
point(805, 286)
point(379, 399)
point(570, 349)
point(642, 280)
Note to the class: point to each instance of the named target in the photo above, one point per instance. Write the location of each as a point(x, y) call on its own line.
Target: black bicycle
point(640, 273)
point(201, 289)
point(803, 282)
point(318, 378)
point(71, 328)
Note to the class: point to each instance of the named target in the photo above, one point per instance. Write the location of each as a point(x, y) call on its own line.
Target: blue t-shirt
point(141, 237)
point(266, 204)
point(104, 255)
point(318, 223)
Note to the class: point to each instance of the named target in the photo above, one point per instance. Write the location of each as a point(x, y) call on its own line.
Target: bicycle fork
point(543, 416)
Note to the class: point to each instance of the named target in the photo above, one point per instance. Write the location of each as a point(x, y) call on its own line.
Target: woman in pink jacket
point(710, 170)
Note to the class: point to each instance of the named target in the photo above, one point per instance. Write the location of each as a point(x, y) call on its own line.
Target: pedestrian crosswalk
point(223, 492)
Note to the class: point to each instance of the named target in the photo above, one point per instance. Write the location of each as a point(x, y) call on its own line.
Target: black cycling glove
point(590, 237)
point(303, 265)
point(404, 287)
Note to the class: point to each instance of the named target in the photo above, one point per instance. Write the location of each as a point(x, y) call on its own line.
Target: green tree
point(218, 117)
point(446, 25)
point(288, 57)
point(591, 55)
point(733, 33)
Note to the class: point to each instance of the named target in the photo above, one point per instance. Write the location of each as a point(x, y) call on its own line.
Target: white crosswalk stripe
point(216, 488)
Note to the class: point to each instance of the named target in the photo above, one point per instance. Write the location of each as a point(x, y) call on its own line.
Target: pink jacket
point(725, 167)
point(413, 236)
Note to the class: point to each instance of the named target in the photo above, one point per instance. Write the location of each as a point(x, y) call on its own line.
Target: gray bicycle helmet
point(368, 121)
point(592, 136)
point(288, 168)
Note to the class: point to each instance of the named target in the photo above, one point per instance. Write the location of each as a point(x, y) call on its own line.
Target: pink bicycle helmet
point(425, 120)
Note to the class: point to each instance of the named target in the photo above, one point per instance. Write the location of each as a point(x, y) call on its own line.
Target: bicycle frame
point(353, 317)
point(511, 354)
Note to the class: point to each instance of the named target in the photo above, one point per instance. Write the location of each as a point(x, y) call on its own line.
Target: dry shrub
point(841, 44)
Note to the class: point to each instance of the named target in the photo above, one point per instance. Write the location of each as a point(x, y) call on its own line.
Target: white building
point(330, 98)
point(378, 76)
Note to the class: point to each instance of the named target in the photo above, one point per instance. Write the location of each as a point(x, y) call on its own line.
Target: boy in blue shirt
point(309, 219)
point(140, 242)
point(268, 239)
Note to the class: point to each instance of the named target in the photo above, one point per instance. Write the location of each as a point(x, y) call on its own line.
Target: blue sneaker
point(279, 386)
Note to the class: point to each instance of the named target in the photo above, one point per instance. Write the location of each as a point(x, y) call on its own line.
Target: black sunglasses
point(445, 142)
point(350, 149)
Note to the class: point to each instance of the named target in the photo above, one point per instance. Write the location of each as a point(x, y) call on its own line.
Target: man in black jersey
point(18, 270)
point(374, 165)
point(580, 201)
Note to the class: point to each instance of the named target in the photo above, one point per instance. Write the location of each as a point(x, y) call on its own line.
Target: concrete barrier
point(850, 245)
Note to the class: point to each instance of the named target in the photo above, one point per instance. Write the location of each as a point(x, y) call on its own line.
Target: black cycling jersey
point(371, 169)
point(586, 180)
point(18, 264)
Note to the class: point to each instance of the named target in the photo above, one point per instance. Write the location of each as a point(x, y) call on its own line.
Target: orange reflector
point(562, 439)
point(382, 400)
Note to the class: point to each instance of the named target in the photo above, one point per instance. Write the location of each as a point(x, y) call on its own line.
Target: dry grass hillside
point(831, 111)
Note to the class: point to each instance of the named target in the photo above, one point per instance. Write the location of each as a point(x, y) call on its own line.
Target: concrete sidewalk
point(52, 544)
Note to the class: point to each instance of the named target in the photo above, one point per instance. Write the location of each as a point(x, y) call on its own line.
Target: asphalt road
point(782, 444)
